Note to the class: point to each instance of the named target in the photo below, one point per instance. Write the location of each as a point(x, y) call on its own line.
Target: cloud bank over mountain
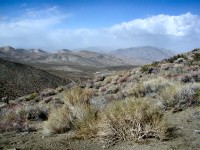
point(48, 29)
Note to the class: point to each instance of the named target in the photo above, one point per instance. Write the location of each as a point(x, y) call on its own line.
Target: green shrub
point(172, 59)
point(144, 68)
point(196, 56)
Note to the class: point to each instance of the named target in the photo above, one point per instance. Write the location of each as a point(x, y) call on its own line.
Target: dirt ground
point(186, 137)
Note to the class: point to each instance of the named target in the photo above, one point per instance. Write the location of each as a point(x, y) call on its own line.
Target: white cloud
point(38, 29)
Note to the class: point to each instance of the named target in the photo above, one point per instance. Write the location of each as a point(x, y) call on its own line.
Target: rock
point(197, 131)
point(152, 70)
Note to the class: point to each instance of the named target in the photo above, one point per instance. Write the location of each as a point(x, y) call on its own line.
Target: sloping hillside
point(18, 79)
point(156, 105)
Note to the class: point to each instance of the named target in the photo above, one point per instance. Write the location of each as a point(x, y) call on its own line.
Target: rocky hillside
point(18, 79)
point(142, 55)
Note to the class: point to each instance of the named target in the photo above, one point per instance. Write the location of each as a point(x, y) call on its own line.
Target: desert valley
point(71, 100)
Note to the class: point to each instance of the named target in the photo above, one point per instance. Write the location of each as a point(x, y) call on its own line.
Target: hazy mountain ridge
point(61, 56)
point(142, 55)
point(120, 57)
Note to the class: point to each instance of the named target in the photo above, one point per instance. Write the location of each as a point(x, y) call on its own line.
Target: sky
point(108, 24)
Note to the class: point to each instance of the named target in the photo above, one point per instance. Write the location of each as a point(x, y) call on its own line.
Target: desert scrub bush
point(97, 85)
point(108, 80)
point(76, 115)
point(180, 95)
point(113, 89)
point(27, 97)
point(77, 95)
point(132, 119)
point(82, 114)
point(196, 56)
point(172, 59)
point(98, 103)
point(184, 96)
point(115, 79)
point(36, 113)
point(167, 95)
point(123, 79)
point(193, 76)
point(13, 119)
point(48, 92)
point(144, 68)
point(85, 122)
point(150, 86)
point(59, 120)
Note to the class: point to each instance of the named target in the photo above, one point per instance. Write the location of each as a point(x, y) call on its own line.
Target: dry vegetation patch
point(132, 119)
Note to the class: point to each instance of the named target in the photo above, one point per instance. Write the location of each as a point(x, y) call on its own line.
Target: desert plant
point(150, 86)
point(123, 79)
point(36, 113)
point(144, 68)
point(132, 119)
point(13, 118)
point(185, 95)
point(75, 114)
point(196, 56)
point(48, 92)
point(59, 120)
point(77, 95)
point(85, 121)
point(167, 95)
point(172, 59)
point(180, 95)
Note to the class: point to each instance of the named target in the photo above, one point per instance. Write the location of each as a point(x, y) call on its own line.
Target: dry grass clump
point(59, 120)
point(131, 120)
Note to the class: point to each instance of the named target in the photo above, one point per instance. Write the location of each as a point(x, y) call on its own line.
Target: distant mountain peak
point(64, 51)
point(142, 55)
point(7, 48)
point(37, 51)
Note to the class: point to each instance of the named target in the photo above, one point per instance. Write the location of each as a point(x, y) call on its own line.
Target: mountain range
point(120, 57)
point(142, 55)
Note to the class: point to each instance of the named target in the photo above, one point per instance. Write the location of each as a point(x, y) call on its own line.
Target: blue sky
point(57, 24)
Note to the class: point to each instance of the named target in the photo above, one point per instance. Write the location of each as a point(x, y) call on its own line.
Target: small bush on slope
point(59, 121)
point(13, 117)
point(144, 88)
point(180, 95)
point(77, 95)
point(76, 114)
point(131, 120)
